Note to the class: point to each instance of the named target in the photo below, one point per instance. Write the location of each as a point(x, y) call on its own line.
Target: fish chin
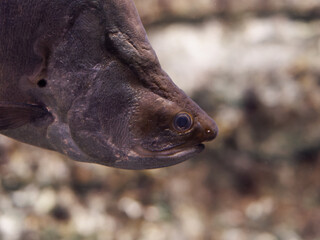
point(172, 152)
point(141, 158)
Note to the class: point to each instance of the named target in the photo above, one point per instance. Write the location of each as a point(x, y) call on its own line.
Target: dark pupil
point(183, 121)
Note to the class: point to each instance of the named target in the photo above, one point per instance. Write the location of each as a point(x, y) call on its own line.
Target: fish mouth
point(176, 152)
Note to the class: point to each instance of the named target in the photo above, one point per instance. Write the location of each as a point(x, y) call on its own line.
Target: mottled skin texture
point(108, 100)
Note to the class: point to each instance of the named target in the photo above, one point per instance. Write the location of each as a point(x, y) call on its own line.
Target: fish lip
point(176, 152)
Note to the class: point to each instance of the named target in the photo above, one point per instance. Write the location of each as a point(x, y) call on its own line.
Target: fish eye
point(182, 122)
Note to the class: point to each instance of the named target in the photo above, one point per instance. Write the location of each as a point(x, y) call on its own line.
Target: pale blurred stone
point(97, 202)
point(265, 236)
point(52, 168)
point(284, 232)
point(19, 165)
point(26, 197)
point(88, 222)
point(228, 118)
point(154, 232)
point(234, 234)
point(260, 209)
point(10, 225)
point(230, 218)
point(181, 47)
point(131, 207)
point(152, 213)
point(179, 186)
point(67, 197)
point(125, 234)
point(191, 221)
point(46, 201)
point(5, 202)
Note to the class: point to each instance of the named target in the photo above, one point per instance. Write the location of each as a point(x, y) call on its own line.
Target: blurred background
point(253, 65)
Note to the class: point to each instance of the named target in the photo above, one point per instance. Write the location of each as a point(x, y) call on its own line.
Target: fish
point(81, 78)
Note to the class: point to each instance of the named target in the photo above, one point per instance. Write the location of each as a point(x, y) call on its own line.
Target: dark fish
point(80, 78)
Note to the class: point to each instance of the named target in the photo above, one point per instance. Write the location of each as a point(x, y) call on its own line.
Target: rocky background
point(251, 64)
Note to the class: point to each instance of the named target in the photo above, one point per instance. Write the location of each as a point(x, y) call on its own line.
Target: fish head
point(123, 124)
point(167, 131)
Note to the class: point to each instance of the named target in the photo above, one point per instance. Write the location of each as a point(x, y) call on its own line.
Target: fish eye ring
point(182, 122)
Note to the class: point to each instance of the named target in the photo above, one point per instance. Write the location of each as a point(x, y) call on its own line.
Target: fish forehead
point(128, 42)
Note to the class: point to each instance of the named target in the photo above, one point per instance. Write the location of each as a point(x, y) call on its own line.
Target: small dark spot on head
point(42, 83)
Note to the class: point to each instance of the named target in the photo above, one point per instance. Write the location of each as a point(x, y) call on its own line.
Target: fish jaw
point(145, 159)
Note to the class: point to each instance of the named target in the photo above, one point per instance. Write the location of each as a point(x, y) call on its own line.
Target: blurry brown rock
point(157, 11)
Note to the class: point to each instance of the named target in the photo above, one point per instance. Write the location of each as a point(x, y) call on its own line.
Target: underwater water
point(255, 69)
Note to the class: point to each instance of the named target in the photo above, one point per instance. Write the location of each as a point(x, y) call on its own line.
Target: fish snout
point(209, 130)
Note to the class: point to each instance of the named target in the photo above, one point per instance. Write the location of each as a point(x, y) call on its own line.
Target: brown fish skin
point(90, 66)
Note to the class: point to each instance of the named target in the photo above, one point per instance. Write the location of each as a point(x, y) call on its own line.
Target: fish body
point(81, 78)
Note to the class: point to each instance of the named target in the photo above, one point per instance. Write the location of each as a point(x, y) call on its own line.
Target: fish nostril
point(211, 133)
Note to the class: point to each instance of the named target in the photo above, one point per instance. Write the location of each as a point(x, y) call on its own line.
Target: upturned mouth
point(176, 152)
